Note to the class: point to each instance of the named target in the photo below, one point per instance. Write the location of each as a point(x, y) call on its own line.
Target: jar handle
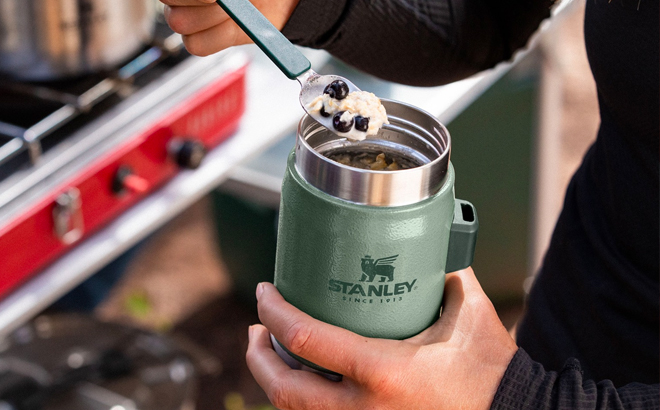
point(462, 236)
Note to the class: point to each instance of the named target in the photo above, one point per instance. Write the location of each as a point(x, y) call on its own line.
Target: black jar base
point(297, 365)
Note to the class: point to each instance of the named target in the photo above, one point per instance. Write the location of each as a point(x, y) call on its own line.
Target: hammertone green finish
point(269, 39)
point(323, 269)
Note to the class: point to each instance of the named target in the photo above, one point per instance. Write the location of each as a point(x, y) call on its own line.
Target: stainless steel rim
point(412, 133)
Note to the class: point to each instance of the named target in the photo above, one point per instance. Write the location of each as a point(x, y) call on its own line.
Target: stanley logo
point(382, 267)
point(377, 293)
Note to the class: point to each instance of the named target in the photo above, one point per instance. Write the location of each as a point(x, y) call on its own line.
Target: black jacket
point(592, 320)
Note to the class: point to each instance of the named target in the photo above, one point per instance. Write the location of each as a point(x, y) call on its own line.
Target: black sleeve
point(526, 385)
point(417, 42)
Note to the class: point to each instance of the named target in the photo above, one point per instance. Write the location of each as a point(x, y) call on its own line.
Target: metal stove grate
point(30, 112)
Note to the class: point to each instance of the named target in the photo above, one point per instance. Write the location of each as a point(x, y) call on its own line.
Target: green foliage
point(235, 401)
point(138, 305)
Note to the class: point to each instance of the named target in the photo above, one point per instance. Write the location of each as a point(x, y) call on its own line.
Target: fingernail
point(260, 290)
point(250, 331)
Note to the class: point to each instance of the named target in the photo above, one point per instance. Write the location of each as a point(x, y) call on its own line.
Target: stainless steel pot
point(54, 39)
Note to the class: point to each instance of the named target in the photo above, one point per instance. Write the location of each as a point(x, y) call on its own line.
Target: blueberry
point(341, 126)
point(336, 89)
point(361, 123)
point(323, 112)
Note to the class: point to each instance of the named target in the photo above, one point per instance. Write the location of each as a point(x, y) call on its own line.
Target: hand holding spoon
point(294, 65)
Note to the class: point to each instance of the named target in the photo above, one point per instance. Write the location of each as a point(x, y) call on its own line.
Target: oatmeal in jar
point(372, 160)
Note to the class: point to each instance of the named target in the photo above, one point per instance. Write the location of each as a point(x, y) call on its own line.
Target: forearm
point(526, 385)
point(425, 42)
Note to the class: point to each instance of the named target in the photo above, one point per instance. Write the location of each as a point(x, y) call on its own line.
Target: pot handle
point(462, 236)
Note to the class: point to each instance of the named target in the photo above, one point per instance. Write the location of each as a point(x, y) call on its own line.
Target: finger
point(187, 2)
point(214, 39)
point(326, 345)
point(264, 363)
point(287, 388)
point(189, 20)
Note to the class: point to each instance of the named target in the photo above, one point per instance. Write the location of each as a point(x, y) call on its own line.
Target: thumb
point(460, 286)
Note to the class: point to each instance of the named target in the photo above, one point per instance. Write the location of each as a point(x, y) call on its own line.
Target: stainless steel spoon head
point(313, 86)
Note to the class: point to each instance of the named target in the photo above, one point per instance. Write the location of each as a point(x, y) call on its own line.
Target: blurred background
point(517, 138)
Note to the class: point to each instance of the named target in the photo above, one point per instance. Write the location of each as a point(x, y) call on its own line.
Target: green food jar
point(367, 249)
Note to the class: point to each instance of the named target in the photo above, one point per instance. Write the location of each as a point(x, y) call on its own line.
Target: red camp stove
point(74, 155)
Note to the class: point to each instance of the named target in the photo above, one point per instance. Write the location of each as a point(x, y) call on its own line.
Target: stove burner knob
point(126, 180)
point(187, 153)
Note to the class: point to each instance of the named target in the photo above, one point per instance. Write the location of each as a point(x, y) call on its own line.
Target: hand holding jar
point(455, 364)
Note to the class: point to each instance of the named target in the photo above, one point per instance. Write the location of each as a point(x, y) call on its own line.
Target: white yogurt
point(361, 103)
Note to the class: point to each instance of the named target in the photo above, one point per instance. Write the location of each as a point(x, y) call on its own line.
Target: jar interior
point(372, 159)
point(362, 172)
point(404, 147)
